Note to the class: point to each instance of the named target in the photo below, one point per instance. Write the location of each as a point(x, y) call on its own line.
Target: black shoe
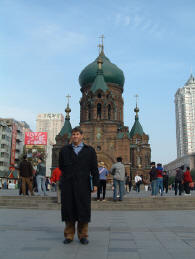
point(84, 241)
point(67, 241)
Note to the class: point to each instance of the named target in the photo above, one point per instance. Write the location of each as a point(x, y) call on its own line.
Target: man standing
point(153, 178)
point(179, 180)
point(77, 162)
point(165, 181)
point(26, 173)
point(41, 177)
point(118, 172)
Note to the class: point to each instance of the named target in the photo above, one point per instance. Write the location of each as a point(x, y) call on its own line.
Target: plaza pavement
point(38, 234)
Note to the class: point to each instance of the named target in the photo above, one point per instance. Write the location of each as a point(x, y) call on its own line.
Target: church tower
point(140, 152)
point(101, 110)
point(62, 138)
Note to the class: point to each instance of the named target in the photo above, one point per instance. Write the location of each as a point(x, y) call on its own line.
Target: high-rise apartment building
point(5, 146)
point(185, 118)
point(51, 123)
point(11, 142)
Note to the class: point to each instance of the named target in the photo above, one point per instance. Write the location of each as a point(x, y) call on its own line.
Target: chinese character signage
point(35, 138)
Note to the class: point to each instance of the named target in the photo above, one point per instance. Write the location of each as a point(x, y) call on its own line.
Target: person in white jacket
point(138, 181)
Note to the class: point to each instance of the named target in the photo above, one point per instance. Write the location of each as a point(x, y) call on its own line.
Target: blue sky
point(44, 45)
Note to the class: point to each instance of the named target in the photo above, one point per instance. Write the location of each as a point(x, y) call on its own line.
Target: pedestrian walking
point(138, 181)
point(41, 177)
point(160, 178)
point(179, 180)
point(118, 172)
point(103, 172)
point(187, 178)
point(26, 173)
point(165, 181)
point(78, 162)
point(153, 179)
point(55, 178)
point(127, 183)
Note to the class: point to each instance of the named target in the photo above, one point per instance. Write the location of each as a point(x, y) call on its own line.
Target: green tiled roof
point(99, 83)
point(137, 128)
point(66, 129)
point(112, 74)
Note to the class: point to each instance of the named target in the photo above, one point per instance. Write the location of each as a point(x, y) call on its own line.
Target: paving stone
point(146, 234)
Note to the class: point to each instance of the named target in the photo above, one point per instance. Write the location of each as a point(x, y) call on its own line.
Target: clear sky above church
point(45, 44)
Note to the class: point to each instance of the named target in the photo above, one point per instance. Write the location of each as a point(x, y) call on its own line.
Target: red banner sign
point(35, 138)
point(13, 148)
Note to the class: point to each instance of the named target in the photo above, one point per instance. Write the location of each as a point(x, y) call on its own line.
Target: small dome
point(112, 74)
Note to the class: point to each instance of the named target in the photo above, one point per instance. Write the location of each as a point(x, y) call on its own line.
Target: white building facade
point(185, 118)
point(51, 123)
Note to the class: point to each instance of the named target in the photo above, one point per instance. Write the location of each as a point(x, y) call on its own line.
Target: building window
point(109, 111)
point(99, 95)
point(99, 110)
point(89, 112)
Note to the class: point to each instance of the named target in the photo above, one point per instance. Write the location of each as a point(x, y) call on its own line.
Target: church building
point(101, 119)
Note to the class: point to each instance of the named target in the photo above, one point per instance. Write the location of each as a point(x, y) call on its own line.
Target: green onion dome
point(112, 74)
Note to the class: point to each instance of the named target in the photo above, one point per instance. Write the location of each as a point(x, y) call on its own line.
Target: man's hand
point(94, 189)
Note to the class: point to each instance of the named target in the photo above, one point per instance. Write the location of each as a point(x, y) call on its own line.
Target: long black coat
point(75, 182)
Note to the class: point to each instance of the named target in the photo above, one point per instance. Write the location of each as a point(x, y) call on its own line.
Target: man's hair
point(152, 163)
point(159, 164)
point(119, 159)
point(24, 156)
point(182, 167)
point(77, 129)
point(187, 168)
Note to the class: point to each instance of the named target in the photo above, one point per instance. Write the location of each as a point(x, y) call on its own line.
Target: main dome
point(112, 74)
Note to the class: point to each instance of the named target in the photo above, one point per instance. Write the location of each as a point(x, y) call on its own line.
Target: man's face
point(77, 138)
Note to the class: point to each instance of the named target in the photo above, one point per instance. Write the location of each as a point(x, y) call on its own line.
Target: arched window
point(99, 110)
point(109, 111)
point(99, 95)
point(89, 112)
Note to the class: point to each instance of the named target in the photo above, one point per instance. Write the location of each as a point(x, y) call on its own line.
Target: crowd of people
point(79, 174)
point(158, 182)
point(33, 180)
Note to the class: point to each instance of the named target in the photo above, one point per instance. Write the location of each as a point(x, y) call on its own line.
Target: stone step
point(148, 203)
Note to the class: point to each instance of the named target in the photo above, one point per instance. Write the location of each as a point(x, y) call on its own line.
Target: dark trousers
point(82, 230)
point(27, 181)
point(187, 188)
point(102, 186)
point(137, 187)
point(178, 186)
point(165, 187)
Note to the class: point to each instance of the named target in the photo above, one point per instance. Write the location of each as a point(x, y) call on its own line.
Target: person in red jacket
point(55, 178)
point(187, 180)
